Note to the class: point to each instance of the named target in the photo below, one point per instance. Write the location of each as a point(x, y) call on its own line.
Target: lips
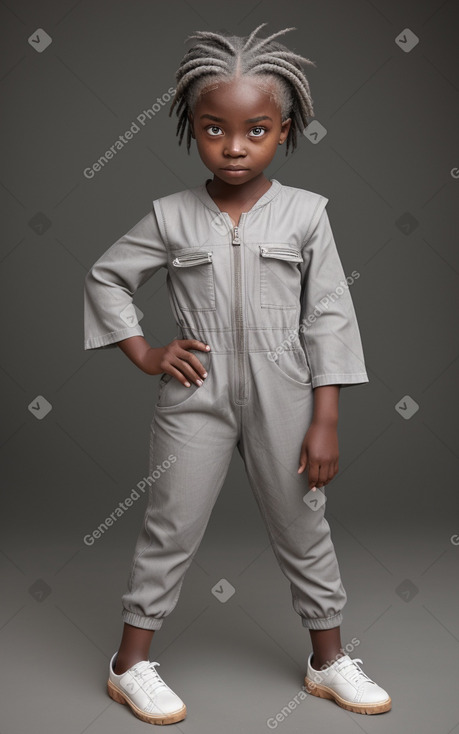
point(234, 168)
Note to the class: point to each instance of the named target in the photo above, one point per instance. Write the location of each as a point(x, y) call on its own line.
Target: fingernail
point(187, 384)
point(198, 382)
point(205, 374)
point(207, 346)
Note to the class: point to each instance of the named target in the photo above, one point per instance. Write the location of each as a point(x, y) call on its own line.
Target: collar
point(204, 196)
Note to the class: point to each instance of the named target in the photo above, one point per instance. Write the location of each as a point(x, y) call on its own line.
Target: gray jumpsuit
point(271, 299)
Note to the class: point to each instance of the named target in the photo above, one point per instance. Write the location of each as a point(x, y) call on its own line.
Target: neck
point(253, 189)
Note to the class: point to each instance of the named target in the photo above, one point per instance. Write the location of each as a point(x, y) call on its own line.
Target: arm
point(174, 358)
point(110, 318)
point(330, 335)
point(319, 450)
point(145, 357)
point(328, 326)
point(109, 313)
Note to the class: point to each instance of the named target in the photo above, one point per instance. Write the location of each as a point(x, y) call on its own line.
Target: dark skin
point(238, 123)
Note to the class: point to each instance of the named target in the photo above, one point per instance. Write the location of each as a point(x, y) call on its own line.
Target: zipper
point(281, 253)
point(192, 258)
point(238, 312)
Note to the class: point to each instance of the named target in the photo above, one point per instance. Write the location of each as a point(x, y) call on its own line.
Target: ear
point(285, 127)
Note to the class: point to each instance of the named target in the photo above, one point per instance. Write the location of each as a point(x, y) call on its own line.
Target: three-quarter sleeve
point(109, 314)
point(329, 330)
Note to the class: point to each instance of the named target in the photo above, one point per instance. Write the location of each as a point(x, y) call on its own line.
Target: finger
point(324, 474)
point(188, 373)
point(313, 474)
point(303, 460)
point(178, 375)
point(195, 344)
point(191, 366)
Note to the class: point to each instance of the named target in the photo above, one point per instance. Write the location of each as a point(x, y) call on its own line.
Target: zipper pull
point(236, 239)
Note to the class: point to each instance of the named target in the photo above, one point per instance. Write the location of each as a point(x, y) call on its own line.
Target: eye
point(212, 127)
point(259, 128)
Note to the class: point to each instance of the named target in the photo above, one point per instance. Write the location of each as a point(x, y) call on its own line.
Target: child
point(268, 335)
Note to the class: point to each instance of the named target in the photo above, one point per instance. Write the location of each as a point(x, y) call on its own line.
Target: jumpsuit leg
point(195, 439)
point(200, 433)
point(274, 423)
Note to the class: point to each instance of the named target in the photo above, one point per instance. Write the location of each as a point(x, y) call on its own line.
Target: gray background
point(390, 154)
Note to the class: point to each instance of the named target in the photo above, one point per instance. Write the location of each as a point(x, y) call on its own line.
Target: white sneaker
point(144, 691)
point(345, 682)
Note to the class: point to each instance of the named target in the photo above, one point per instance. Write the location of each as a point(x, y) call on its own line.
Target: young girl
point(268, 336)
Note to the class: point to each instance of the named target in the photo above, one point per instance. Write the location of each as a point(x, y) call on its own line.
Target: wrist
point(150, 360)
point(328, 421)
point(326, 404)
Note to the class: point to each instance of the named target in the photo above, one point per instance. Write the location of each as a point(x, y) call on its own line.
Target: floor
point(238, 665)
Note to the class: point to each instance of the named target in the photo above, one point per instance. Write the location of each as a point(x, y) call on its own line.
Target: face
point(238, 124)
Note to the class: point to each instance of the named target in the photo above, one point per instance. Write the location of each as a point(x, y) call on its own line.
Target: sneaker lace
point(149, 678)
point(354, 672)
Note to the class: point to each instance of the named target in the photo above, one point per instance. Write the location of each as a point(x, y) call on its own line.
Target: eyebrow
point(252, 119)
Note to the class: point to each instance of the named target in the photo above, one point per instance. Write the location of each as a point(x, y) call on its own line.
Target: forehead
point(241, 97)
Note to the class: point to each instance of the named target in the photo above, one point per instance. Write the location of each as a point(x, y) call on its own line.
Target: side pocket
point(292, 364)
point(164, 379)
point(172, 394)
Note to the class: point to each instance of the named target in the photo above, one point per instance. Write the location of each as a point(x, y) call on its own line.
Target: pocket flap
point(281, 252)
point(192, 258)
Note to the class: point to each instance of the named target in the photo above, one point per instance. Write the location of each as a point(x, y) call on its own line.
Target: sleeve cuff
point(340, 378)
point(110, 339)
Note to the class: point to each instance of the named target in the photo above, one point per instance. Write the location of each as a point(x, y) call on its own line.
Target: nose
point(235, 146)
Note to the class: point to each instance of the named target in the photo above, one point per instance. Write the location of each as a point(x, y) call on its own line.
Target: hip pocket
point(192, 278)
point(280, 276)
point(173, 394)
point(293, 365)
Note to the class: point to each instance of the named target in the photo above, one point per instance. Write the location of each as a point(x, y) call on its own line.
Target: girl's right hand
point(176, 360)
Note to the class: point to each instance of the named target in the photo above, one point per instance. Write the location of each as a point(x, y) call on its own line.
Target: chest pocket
point(280, 276)
point(193, 280)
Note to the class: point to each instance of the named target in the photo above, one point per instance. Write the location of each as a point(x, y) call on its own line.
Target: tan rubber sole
point(316, 689)
point(120, 697)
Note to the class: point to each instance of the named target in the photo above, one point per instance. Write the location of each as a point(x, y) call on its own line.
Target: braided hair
point(217, 57)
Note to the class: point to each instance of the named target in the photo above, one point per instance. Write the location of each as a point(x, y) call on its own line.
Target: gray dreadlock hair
point(217, 57)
